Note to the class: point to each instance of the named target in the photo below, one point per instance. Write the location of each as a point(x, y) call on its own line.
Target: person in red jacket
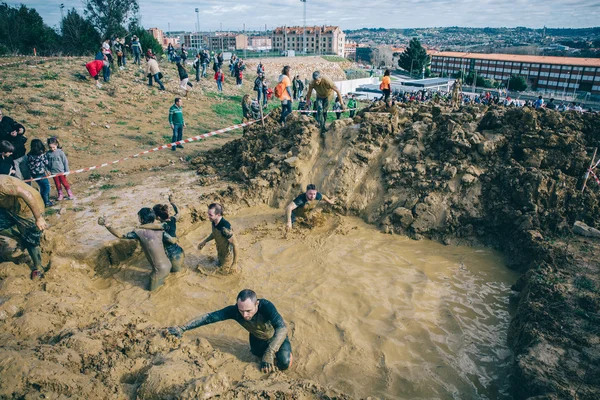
point(220, 78)
point(94, 68)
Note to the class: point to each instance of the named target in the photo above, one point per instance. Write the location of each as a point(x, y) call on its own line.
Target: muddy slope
point(505, 177)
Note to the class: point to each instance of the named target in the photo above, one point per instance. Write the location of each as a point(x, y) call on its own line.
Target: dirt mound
point(508, 177)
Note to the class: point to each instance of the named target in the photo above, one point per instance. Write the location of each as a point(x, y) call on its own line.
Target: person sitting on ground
point(268, 332)
point(324, 88)
point(169, 223)
point(23, 207)
point(183, 76)
point(7, 164)
point(224, 238)
point(151, 236)
point(14, 133)
point(305, 203)
point(255, 110)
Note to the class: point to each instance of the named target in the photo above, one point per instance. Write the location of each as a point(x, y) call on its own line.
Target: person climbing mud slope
point(224, 238)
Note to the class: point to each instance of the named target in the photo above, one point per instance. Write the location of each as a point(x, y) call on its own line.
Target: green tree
point(110, 16)
point(146, 39)
point(414, 58)
point(517, 83)
point(22, 29)
point(79, 37)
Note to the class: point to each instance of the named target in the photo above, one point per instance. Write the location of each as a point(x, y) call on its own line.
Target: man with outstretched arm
point(305, 203)
point(268, 332)
point(23, 207)
point(223, 236)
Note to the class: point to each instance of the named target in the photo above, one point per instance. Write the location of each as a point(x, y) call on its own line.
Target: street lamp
point(304, 31)
point(411, 67)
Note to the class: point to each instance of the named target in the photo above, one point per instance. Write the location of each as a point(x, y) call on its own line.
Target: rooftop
point(309, 29)
point(583, 62)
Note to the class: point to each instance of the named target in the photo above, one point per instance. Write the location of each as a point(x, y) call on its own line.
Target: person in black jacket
point(7, 165)
point(268, 332)
point(183, 76)
point(14, 133)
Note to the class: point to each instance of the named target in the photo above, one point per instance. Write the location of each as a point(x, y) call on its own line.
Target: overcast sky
point(349, 14)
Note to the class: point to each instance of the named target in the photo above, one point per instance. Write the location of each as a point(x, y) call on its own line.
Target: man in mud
point(224, 238)
point(305, 203)
point(21, 206)
point(268, 332)
point(324, 88)
point(151, 236)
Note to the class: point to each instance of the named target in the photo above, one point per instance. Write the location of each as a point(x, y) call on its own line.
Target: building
point(260, 43)
point(194, 41)
point(547, 74)
point(226, 41)
point(350, 50)
point(157, 34)
point(319, 39)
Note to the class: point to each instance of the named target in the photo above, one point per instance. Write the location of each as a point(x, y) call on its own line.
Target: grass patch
point(22, 84)
point(94, 176)
point(39, 85)
point(134, 128)
point(7, 87)
point(53, 96)
point(108, 186)
point(57, 106)
point(50, 76)
point(36, 112)
point(583, 282)
point(122, 123)
point(227, 110)
point(50, 211)
point(35, 100)
point(334, 58)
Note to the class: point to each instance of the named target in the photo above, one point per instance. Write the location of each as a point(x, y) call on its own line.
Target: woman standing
point(386, 86)
point(285, 92)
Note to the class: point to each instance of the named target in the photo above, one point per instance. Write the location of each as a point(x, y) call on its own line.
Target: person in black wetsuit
point(305, 203)
point(222, 234)
point(268, 332)
point(169, 223)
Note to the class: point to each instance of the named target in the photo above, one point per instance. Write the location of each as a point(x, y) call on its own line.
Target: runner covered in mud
point(223, 236)
point(304, 204)
point(268, 332)
point(151, 236)
point(324, 88)
point(23, 207)
point(169, 223)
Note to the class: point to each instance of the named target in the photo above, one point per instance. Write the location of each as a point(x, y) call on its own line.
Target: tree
point(414, 58)
point(382, 56)
point(79, 35)
point(517, 83)
point(110, 16)
point(22, 29)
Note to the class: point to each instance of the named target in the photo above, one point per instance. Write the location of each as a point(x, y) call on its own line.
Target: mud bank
point(508, 178)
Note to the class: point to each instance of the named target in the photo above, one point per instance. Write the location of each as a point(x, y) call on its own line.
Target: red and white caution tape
point(166, 146)
point(22, 62)
point(315, 111)
point(594, 176)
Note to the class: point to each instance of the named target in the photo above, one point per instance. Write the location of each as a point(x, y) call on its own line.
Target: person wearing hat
point(136, 48)
point(324, 88)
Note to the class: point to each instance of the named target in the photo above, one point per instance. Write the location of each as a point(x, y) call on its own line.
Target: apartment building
point(319, 39)
point(546, 74)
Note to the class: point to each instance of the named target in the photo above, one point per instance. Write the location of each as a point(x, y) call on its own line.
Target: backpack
point(279, 89)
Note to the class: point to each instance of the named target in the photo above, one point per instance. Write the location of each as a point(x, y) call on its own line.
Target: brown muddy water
point(369, 314)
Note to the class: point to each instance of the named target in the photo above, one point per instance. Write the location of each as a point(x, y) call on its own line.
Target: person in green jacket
point(177, 123)
point(352, 106)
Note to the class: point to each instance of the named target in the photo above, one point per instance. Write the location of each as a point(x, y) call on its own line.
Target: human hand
point(171, 198)
point(101, 221)
point(40, 223)
point(21, 130)
point(288, 227)
point(332, 200)
point(172, 126)
point(267, 365)
point(201, 245)
point(175, 331)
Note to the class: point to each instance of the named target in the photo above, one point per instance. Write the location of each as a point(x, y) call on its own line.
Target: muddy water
point(370, 314)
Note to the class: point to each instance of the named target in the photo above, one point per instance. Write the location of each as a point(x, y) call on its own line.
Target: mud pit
point(369, 314)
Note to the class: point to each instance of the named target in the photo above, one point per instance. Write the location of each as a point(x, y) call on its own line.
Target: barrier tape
point(22, 62)
point(315, 111)
point(594, 176)
point(166, 146)
point(36, 59)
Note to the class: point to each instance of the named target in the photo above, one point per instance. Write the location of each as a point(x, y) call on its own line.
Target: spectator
point(539, 103)
point(177, 123)
point(153, 71)
point(337, 108)
point(170, 52)
point(38, 166)
point(551, 105)
point(204, 59)
point(232, 64)
point(352, 106)
point(239, 69)
point(58, 164)
point(7, 164)
point(258, 88)
point(183, 77)
point(260, 69)
point(118, 47)
point(94, 68)
point(285, 93)
point(136, 49)
point(14, 133)
point(220, 78)
point(386, 86)
point(196, 66)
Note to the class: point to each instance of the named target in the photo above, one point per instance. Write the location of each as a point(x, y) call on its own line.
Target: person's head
point(317, 77)
point(53, 143)
point(37, 147)
point(161, 211)
point(286, 70)
point(386, 73)
point(246, 99)
point(247, 304)
point(215, 212)
point(146, 216)
point(311, 191)
point(6, 148)
point(552, 100)
point(540, 97)
point(178, 101)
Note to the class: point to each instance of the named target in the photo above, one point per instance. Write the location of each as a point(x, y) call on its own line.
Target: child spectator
point(38, 166)
point(220, 78)
point(57, 164)
point(337, 108)
point(7, 164)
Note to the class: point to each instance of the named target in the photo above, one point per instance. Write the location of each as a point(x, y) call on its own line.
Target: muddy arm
point(116, 232)
point(210, 318)
point(328, 200)
point(233, 241)
point(203, 243)
point(288, 212)
point(28, 199)
point(169, 239)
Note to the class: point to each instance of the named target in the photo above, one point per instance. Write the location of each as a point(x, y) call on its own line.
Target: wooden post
point(262, 116)
point(587, 173)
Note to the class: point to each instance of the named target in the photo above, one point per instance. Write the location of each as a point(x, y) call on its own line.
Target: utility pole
point(245, 42)
point(62, 15)
point(304, 31)
point(198, 41)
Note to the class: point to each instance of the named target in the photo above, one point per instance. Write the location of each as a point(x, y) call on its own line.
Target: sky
point(348, 14)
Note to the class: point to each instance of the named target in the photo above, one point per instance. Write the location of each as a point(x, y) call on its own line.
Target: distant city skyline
point(348, 14)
